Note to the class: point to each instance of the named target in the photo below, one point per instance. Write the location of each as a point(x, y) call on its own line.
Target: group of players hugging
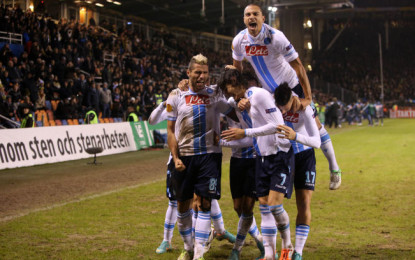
point(272, 131)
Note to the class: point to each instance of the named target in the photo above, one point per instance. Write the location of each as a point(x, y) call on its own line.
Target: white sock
point(328, 150)
point(269, 231)
point(301, 234)
point(283, 223)
point(217, 218)
point(243, 227)
point(194, 218)
point(184, 225)
point(202, 231)
point(170, 220)
point(254, 232)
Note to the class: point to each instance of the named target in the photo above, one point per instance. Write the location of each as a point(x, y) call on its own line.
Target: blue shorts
point(242, 177)
point(201, 176)
point(171, 195)
point(305, 170)
point(275, 172)
point(299, 91)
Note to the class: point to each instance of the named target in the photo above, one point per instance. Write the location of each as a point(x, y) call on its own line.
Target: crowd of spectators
point(353, 60)
point(64, 61)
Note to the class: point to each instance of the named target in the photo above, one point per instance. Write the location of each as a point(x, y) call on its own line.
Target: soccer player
point(273, 162)
point(242, 181)
point(275, 61)
point(193, 124)
point(301, 129)
point(157, 115)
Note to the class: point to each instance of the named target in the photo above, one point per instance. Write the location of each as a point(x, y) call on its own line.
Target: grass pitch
point(372, 215)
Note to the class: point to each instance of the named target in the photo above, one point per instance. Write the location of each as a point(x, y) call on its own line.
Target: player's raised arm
point(297, 65)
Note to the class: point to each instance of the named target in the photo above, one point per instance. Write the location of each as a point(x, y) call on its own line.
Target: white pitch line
point(4, 219)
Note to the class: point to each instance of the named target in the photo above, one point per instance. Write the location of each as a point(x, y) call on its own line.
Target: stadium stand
point(76, 74)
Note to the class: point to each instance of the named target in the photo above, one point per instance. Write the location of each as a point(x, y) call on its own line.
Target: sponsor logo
point(270, 110)
point(288, 47)
point(197, 100)
point(169, 108)
point(256, 50)
point(281, 187)
point(291, 117)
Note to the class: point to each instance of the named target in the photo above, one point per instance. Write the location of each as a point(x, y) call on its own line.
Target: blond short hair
point(198, 59)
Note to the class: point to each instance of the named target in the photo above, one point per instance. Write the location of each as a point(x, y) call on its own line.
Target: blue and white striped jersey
point(305, 126)
point(238, 151)
point(269, 54)
point(197, 119)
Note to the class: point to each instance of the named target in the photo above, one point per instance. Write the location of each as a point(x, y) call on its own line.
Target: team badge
point(249, 93)
point(209, 90)
point(267, 40)
point(169, 108)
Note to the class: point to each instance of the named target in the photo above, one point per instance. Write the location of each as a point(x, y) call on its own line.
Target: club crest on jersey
point(256, 50)
point(249, 93)
point(267, 40)
point(270, 110)
point(291, 117)
point(288, 47)
point(197, 100)
point(209, 90)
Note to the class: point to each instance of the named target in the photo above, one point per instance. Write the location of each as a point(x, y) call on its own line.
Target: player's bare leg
point(328, 151)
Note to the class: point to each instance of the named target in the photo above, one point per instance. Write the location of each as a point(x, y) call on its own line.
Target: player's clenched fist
point(178, 164)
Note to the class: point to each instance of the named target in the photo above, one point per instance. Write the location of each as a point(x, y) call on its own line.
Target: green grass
point(372, 215)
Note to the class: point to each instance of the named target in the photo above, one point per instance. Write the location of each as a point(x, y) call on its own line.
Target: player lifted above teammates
point(275, 61)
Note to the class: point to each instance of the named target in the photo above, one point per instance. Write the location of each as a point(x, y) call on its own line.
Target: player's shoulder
point(254, 92)
point(175, 93)
point(240, 36)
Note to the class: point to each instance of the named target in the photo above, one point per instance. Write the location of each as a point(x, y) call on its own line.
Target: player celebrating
point(192, 126)
point(242, 181)
point(301, 129)
point(275, 61)
point(273, 162)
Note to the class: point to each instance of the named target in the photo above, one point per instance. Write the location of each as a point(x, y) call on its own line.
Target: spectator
point(105, 100)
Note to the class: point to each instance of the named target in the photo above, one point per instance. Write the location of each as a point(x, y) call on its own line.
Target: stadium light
point(99, 4)
point(31, 7)
point(272, 9)
point(109, 1)
point(309, 46)
point(116, 3)
point(309, 24)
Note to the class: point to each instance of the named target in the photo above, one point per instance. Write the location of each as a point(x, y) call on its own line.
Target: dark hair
point(256, 3)
point(234, 77)
point(230, 76)
point(282, 94)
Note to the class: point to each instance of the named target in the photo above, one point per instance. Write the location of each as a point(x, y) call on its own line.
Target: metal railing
point(11, 37)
